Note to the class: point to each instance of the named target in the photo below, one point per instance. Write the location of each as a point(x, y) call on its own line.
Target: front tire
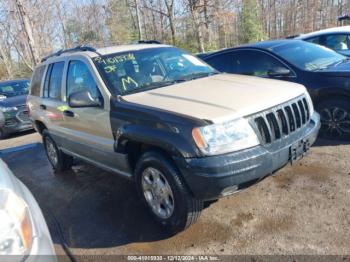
point(335, 118)
point(165, 194)
point(59, 160)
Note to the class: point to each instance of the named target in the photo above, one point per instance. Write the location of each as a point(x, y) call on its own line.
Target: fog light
point(229, 190)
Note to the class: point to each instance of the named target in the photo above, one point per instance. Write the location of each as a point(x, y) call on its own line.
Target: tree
point(249, 22)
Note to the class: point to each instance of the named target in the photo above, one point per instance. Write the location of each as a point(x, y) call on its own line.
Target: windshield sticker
point(110, 69)
point(129, 81)
point(62, 108)
point(115, 59)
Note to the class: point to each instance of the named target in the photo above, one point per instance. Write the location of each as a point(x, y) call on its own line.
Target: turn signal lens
point(198, 138)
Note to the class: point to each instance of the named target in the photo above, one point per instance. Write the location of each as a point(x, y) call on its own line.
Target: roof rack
point(71, 50)
point(148, 42)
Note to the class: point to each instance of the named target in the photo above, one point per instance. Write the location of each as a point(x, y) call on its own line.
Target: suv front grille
point(281, 120)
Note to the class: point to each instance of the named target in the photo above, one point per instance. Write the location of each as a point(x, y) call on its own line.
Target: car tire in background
point(335, 118)
point(164, 192)
point(59, 160)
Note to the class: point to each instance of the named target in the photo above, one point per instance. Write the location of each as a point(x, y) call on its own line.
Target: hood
point(14, 101)
point(220, 97)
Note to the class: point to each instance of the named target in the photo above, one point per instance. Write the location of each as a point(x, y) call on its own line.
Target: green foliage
point(250, 23)
point(119, 23)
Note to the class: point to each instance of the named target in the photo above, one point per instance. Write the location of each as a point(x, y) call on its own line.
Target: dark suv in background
point(325, 74)
point(13, 110)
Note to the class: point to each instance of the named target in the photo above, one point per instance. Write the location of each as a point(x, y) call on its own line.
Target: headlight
point(8, 109)
point(16, 230)
point(226, 137)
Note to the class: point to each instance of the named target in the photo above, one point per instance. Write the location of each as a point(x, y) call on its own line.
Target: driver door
point(89, 134)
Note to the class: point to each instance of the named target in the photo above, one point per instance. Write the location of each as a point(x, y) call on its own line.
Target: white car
point(23, 230)
point(336, 38)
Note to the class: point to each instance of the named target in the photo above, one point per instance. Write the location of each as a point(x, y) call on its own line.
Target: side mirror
point(83, 99)
point(279, 72)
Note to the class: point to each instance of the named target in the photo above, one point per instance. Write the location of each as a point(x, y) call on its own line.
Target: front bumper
point(217, 176)
point(13, 122)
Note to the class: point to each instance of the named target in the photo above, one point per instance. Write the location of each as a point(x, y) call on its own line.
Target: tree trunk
point(28, 32)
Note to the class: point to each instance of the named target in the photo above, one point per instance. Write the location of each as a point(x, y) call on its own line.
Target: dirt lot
point(302, 209)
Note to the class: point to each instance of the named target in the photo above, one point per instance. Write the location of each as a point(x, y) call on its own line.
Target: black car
point(13, 111)
point(325, 73)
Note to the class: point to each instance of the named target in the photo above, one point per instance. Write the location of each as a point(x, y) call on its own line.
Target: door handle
point(68, 113)
point(43, 107)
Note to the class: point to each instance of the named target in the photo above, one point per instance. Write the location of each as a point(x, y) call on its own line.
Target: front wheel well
point(136, 149)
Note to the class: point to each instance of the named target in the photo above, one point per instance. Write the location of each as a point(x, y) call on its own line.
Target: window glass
point(56, 80)
point(308, 56)
point(338, 42)
point(47, 81)
point(254, 63)
point(314, 40)
point(222, 62)
point(140, 70)
point(36, 81)
point(79, 78)
point(10, 89)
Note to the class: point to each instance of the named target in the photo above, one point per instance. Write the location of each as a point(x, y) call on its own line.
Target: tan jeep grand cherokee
point(166, 120)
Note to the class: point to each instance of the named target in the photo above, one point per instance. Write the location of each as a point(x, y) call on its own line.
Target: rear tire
point(335, 118)
point(159, 183)
point(59, 160)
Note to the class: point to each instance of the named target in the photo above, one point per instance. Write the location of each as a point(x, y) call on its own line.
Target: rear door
point(50, 103)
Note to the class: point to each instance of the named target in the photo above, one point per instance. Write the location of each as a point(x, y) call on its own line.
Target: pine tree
point(250, 23)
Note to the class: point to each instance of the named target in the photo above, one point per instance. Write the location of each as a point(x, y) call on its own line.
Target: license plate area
point(298, 150)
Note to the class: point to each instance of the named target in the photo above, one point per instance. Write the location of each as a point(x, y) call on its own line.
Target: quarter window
point(79, 78)
point(36, 81)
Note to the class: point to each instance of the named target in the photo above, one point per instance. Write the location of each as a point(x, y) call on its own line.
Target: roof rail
point(148, 42)
point(70, 50)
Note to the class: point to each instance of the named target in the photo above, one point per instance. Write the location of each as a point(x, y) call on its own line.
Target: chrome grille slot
point(274, 123)
point(297, 115)
point(306, 109)
point(290, 118)
point(263, 129)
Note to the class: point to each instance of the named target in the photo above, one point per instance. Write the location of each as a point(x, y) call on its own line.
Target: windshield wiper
point(154, 85)
point(197, 75)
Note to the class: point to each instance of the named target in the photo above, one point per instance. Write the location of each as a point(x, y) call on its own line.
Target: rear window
point(36, 81)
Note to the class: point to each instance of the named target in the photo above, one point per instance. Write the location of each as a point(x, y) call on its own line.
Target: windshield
point(14, 88)
point(307, 56)
point(140, 70)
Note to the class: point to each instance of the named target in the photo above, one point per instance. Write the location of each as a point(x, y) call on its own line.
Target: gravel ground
point(301, 209)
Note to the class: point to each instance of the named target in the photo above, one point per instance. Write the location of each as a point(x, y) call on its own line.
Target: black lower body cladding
point(216, 176)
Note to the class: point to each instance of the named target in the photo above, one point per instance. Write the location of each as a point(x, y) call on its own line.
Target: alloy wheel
point(51, 152)
point(335, 122)
point(157, 192)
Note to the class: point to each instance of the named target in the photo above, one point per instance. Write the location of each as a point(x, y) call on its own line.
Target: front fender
point(176, 142)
